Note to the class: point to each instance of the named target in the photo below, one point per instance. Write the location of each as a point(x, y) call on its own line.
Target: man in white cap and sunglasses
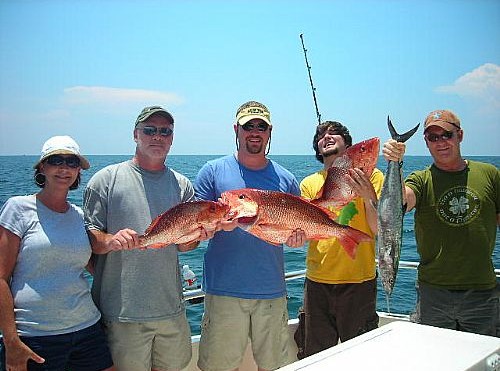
point(244, 276)
point(457, 212)
point(139, 291)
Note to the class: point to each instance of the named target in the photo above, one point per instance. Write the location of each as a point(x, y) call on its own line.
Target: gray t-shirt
point(50, 291)
point(135, 285)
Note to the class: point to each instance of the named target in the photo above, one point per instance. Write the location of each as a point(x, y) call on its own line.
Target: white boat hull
point(248, 361)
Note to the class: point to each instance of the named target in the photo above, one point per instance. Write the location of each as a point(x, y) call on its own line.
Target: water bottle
point(189, 277)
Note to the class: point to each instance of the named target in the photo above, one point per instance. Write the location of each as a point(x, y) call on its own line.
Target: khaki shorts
point(229, 322)
point(162, 345)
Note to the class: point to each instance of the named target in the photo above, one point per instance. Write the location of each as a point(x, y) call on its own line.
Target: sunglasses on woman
point(261, 126)
point(431, 137)
point(153, 130)
point(58, 160)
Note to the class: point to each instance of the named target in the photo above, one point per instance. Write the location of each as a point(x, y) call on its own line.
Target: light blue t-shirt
point(50, 291)
point(236, 263)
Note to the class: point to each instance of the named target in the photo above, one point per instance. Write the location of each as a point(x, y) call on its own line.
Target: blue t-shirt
point(236, 263)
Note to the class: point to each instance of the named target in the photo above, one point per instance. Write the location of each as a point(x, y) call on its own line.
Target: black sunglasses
point(431, 137)
point(153, 130)
point(261, 126)
point(58, 160)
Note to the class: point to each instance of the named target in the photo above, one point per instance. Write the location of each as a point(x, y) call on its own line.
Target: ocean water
point(16, 178)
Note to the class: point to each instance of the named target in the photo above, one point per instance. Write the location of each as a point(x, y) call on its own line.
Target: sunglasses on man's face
point(432, 137)
point(153, 130)
point(58, 160)
point(261, 126)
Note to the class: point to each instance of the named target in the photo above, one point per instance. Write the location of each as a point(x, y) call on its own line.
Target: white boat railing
point(292, 275)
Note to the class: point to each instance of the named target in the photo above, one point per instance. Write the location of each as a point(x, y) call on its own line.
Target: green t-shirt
point(456, 225)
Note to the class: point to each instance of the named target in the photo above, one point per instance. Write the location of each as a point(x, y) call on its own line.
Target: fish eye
point(241, 197)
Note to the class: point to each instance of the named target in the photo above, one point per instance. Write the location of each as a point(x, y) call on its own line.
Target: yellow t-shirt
point(327, 261)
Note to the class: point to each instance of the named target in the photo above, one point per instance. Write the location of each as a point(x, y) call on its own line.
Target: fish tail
point(400, 137)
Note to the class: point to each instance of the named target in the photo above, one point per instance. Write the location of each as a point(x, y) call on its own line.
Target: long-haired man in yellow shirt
point(339, 292)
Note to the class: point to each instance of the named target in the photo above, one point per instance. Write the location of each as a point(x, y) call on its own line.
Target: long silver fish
point(390, 213)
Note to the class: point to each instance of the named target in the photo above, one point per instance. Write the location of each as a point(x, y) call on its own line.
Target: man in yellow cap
point(243, 275)
point(457, 211)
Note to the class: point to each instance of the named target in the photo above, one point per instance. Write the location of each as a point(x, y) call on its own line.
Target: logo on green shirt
point(458, 206)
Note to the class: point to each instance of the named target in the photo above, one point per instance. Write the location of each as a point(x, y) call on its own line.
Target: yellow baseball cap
point(252, 110)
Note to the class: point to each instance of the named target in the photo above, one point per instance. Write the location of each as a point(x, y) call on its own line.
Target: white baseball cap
point(62, 145)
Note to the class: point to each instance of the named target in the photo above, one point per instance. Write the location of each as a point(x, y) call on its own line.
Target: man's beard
point(254, 149)
point(330, 152)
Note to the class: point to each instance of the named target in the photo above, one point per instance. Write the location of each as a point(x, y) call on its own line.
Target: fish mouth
point(244, 212)
point(246, 220)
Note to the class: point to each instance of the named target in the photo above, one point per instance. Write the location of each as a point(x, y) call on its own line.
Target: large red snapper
point(181, 223)
point(336, 191)
point(272, 216)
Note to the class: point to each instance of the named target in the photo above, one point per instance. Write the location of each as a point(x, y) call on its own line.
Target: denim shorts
point(83, 350)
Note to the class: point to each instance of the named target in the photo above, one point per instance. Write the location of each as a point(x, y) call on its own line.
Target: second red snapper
point(181, 223)
point(272, 216)
point(336, 191)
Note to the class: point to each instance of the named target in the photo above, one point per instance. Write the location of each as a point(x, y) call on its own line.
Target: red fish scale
point(181, 221)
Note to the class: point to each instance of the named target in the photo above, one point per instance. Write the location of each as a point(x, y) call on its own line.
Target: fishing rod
point(318, 115)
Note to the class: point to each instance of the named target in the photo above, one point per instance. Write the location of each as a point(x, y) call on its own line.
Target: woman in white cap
point(47, 317)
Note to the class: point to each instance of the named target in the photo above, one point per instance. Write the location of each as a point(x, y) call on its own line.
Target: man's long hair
point(338, 128)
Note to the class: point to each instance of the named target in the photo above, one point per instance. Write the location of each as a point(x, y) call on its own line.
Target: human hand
point(361, 185)
point(393, 150)
point(297, 238)
point(17, 356)
point(125, 239)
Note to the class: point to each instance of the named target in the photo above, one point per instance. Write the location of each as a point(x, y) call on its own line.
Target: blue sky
point(86, 69)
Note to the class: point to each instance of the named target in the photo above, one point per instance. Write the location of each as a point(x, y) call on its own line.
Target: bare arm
point(411, 199)
point(17, 353)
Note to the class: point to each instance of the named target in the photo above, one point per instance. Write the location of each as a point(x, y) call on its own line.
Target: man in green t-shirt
point(457, 206)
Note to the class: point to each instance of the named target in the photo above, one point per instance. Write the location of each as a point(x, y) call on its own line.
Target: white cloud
point(101, 95)
point(482, 85)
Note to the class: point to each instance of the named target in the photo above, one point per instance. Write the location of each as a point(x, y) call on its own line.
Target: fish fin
point(350, 240)
point(331, 214)
point(156, 245)
point(153, 224)
point(190, 236)
point(260, 232)
point(272, 243)
point(325, 203)
point(400, 137)
point(319, 195)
